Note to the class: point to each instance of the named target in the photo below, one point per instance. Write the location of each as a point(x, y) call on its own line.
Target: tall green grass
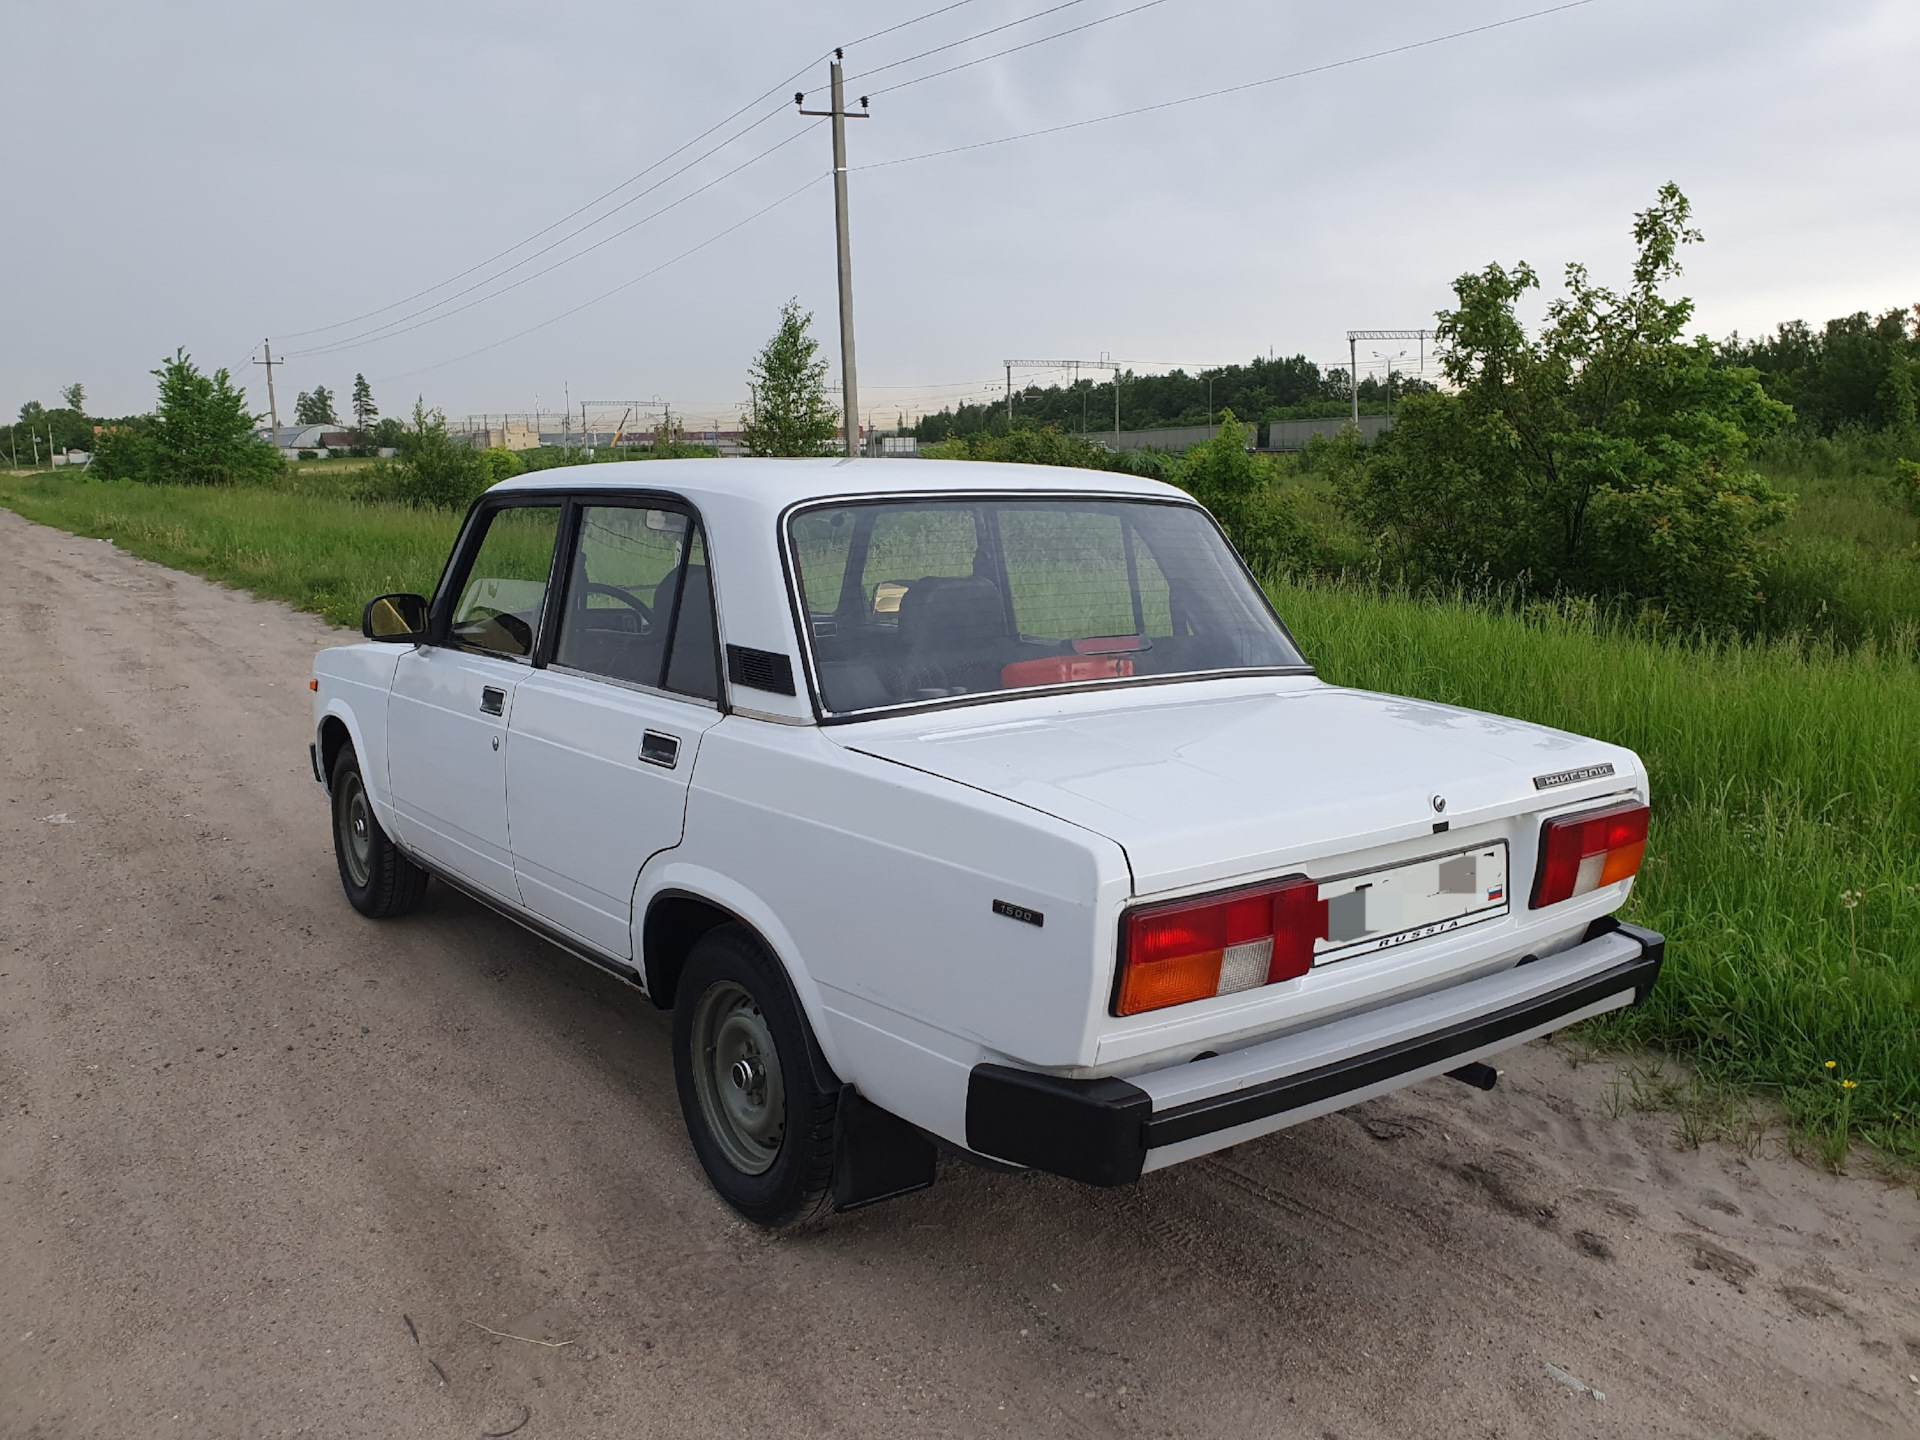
point(1786, 776)
point(1784, 866)
point(319, 552)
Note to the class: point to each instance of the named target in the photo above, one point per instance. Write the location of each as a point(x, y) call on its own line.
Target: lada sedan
point(979, 808)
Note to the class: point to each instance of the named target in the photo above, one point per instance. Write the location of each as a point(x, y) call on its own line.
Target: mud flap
point(876, 1155)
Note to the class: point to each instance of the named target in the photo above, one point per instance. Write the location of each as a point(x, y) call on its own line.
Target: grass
point(1785, 858)
point(1784, 866)
point(315, 551)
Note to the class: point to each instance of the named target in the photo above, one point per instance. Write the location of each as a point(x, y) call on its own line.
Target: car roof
point(776, 484)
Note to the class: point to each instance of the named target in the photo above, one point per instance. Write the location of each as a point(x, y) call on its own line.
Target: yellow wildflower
point(1849, 1084)
point(1832, 1063)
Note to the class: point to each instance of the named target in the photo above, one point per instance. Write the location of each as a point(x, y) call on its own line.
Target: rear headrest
point(946, 610)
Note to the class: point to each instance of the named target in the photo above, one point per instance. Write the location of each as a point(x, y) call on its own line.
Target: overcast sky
point(207, 175)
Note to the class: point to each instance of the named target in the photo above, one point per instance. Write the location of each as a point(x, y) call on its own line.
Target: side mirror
point(401, 619)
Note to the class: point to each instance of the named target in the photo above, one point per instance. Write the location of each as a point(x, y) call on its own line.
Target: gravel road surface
point(268, 1168)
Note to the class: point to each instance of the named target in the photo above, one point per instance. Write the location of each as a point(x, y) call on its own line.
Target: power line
point(623, 285)
point(776, 89)
point(969, 39)
point(334, 347)
point(1232, 89)
point(1015, 49)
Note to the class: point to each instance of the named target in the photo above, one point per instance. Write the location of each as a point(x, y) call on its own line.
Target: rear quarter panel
point(878, 883)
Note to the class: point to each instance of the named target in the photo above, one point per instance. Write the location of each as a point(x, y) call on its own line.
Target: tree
point(201, 434)
point(76, 397)
point(791, 414)
point(1604, 456)
point(315, 407)
point(434, 469)
point(365, 412)
point(1262, 521)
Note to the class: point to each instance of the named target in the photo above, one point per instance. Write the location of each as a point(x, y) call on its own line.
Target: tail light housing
point(1581, 853)
point(1217, 944)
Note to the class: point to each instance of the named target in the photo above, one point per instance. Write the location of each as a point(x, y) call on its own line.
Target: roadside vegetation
point(1602, 526)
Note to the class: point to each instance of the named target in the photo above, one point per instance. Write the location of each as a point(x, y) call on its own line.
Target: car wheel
point(378, 879)
point(757, 1096)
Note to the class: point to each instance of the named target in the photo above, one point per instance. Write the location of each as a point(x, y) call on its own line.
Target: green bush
point(434, 469)
point(1906, 484)
point(201, 434)
point(1604, 456)
point(500, 463)
point(1263, 520)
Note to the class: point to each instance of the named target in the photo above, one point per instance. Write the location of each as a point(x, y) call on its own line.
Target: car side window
point(506, 585)
point(639, 605)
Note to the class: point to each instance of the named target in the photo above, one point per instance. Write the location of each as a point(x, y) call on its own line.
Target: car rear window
point(913, 601)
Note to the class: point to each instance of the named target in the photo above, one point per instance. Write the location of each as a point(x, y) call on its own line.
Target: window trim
point(803, 629)
point(466, 550)
point(572, 501)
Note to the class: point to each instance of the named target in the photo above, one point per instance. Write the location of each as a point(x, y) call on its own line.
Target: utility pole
point(849, 393)
point(1353, 374)
point(1009, 399)
point(273, 409)
point(1103, 363)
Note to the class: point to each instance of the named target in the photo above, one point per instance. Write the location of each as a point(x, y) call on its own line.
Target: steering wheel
point(625, 597)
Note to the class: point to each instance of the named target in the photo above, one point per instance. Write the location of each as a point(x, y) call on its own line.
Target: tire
point(755, 1092)
point(378, 879)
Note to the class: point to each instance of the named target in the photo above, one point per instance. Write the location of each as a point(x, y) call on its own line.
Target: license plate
point(1379, 909)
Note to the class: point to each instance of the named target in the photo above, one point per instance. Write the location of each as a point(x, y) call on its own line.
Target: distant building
point(295, 438)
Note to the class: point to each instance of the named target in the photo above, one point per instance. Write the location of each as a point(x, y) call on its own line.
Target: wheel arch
point(339, 727)
point(684, 903)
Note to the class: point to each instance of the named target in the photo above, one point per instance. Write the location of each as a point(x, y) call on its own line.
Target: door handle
point(661, 750)
point(493, 701)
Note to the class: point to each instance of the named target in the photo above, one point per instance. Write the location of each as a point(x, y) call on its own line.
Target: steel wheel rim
point(355, 827)
point(736, 1074)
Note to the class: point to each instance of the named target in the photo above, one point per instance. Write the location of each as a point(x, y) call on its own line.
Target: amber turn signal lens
point(1155, 984)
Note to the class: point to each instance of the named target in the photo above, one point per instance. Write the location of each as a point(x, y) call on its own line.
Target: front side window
point(928, 600)
point(639, 606)
point(499, 606)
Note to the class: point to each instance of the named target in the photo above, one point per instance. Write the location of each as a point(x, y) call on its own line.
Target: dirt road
point(267, 1168)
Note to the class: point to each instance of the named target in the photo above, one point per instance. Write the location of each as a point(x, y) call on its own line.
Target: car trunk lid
point(1201, 787)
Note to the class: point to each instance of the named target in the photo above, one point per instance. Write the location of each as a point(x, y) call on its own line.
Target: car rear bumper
point(1109, 1131)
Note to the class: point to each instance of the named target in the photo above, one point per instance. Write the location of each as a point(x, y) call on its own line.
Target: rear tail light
point(1219, 944)
point(1580, 853)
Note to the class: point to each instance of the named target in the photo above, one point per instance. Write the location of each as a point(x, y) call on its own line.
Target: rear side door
point(448, 711)
point(604, 733)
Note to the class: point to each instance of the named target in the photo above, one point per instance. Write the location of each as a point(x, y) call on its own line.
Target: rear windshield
point(911, 601)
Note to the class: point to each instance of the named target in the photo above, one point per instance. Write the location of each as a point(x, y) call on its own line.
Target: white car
point(985, 808)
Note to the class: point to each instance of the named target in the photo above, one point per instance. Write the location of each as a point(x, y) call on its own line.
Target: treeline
point(1604, 456)
point(1289, 388)
point(1858, 371)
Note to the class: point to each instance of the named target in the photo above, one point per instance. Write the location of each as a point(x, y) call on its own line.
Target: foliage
point(201, 434)
point(1856, 370)
point(500, 464)
point(1906, 485)
point(433, 468)
point(1605, 456)
point(40, 428)
point(365, 412)
point(1288, 388)
point(1046, 446)
point(74, 396)
point(1263, 521)
point(315, 407)
point(1784, 778)
point(386, 434)
point(791, 414)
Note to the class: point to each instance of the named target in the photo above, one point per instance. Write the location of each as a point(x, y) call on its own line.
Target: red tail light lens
point(1581, 853)
point(1217, 945)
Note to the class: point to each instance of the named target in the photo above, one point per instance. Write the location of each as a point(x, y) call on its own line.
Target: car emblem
point(1571, 777)
point(1439, 804)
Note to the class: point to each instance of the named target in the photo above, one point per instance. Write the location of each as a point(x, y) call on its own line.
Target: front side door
point(451, 702)
point(603, 738)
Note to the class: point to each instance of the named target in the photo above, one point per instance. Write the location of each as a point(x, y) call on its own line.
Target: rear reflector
point(1581, 853)
point(1218, 944)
